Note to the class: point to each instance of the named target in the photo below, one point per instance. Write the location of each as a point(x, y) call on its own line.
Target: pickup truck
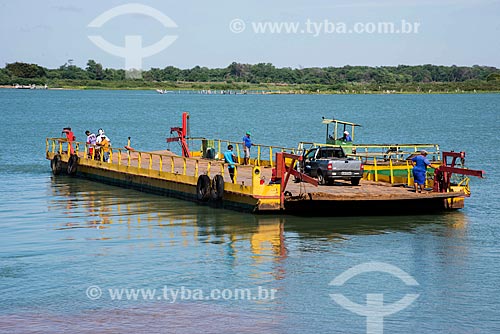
point(329, 164)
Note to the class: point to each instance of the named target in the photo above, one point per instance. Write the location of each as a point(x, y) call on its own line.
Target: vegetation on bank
point(265, 77)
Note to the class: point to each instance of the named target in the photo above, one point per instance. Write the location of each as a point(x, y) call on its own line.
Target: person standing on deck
point(230, 158)
point(247, 143)
point(91, 141)
point(104, 144)
point(103, 141)
point(420, 169)
point(70, 137)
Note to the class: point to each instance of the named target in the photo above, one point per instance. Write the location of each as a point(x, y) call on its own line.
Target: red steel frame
point(283, 171)
point(442, 175)
point(182, 133)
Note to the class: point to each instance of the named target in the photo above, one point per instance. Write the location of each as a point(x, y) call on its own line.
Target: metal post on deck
point(208, 168)
point(119, 157)
point(139, 160)
point(183, 166)
point(196, 168)
point(375, 168)
point(238, 153)
point(271, 156)
point(161, 163)
point(150, 161)
point(408, 173)
point(258, 155)
point(172, 165)
point(391, 171)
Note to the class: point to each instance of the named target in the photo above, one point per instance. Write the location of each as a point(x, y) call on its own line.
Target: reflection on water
point(92, 233)
point(121, 214)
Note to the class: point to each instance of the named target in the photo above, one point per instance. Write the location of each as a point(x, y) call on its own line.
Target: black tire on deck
point(217, 187)
point(203, 188)
point(55, 164)
point(72, 164)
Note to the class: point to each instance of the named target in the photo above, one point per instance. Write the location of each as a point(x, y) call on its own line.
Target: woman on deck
point(420, 169)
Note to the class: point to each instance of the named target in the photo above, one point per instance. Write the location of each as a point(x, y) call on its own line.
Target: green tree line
point(238, 75)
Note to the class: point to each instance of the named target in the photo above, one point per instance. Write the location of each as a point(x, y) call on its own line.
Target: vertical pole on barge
point(182, 134)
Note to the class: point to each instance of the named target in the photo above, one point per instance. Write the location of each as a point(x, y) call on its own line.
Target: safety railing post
point(375, 169)
point(161, 163)
point(150, 166)
point(196, 166)
point(391, 171)
point(172, 164)
point(408, 173)
point(238, 153)
point(271, 156)
point(258, 156)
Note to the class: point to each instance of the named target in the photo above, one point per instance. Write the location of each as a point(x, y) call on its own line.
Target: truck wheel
point(355, 181)
point(321, 178)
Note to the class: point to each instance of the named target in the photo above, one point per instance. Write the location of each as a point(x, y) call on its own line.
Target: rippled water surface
point(64, 238)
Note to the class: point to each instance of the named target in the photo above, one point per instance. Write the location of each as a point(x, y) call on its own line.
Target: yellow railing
point(261, 155)
point(369, 152)
point(396, 152)
point(145, 160)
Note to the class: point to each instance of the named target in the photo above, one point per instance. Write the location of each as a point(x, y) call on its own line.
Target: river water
point(68, 247)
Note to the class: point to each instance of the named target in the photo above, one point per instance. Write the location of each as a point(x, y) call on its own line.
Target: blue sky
point(451, 32)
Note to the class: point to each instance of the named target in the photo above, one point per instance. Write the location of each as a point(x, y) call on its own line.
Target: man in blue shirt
point(230, 158)
point(247, 143)
point(346, 137)
point(420, 169)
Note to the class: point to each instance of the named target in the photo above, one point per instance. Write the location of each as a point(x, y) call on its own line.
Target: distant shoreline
point(264, 91)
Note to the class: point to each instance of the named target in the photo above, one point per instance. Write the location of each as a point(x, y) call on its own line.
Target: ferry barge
point(267, 184)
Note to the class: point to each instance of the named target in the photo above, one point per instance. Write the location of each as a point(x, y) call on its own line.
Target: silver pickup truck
point(329, 164)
